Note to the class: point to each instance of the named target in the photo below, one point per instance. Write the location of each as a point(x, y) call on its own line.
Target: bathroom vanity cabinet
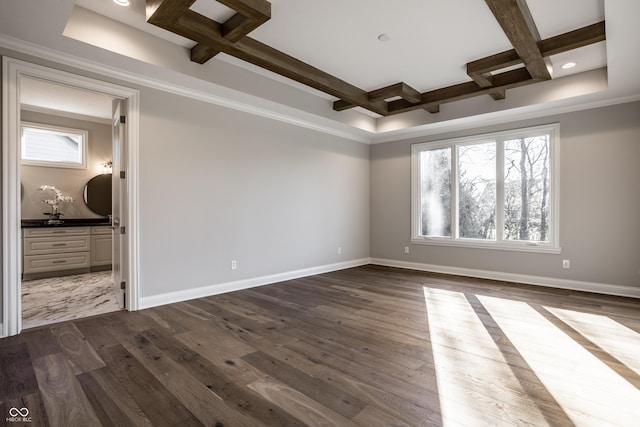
point(101, 247)
point(59, 250)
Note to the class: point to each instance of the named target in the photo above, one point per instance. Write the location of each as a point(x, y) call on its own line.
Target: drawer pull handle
point(62, 261)
point(59, 232)
point(59, 244)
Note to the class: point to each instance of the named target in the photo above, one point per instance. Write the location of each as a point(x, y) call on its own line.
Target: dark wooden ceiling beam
point(249, 8)
point(199, 29)
point(498, 94)
point(494, 62)
point(201, 53)
point(486, 80)
point(432, 100)
point(581, 37)
point(193, 25)
point(502, 81)
point(230, 37)
point(482, 80)
point(565, 42)
point(432, 108)
point(341, 105)
point(518, 25)
point(480, 70)
point(167, 14)
point(238, 26)
point(235, 28)
point(160, 12)
point(483, 67)
point(250, 14)
point(552, 46)
point(402, 90)
point(259, 54)
point(210, 38)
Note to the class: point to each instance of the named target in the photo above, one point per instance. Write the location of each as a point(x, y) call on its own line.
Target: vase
point(54, 216)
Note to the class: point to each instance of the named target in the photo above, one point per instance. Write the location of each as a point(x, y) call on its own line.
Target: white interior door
point(119, 219)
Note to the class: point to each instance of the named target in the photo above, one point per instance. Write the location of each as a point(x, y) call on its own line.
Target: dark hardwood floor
point(368, 346)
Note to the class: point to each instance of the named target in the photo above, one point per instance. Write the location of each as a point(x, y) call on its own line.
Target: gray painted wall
point(70, 181)
point(599, 203)
point(217, 184)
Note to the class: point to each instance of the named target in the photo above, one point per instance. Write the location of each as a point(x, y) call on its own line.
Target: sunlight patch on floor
point(502, 362)
point(621, 342)
point(587, 389)
point(475, 384)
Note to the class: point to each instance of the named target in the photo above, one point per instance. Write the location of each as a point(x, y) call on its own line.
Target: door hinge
point(123, 285)
point(123, 119)
point(123, 230)
point(123, 174)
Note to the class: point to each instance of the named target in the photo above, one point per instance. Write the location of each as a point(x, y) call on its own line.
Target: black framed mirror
point(97, 194)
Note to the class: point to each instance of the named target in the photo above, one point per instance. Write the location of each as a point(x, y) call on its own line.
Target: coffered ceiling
point(385, 57)
point(397, 64)
point(529, 53)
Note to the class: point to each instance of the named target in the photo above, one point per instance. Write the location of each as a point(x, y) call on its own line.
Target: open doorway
point(66, 203)
point(67, 248)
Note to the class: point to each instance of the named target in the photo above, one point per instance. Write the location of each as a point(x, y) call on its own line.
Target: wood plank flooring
point(368, 346)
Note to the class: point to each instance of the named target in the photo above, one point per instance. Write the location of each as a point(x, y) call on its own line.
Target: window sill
point(478, 244)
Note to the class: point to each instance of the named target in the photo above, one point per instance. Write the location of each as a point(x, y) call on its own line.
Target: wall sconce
point(107, 167)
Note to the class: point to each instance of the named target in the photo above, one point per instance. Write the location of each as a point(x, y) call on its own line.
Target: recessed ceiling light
point(384, 37)
point(121, 2)
point(569, 65)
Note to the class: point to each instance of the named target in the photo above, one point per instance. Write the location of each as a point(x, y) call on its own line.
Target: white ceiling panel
point(560, 16)
point(428, 47)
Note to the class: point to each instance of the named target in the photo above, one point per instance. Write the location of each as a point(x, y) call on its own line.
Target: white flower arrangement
point(55, 202)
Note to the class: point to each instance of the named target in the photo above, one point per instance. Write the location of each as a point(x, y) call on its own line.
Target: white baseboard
point(600, 288)
point(220, 288)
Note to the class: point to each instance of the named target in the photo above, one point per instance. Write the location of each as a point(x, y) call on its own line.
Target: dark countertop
point(71, 222)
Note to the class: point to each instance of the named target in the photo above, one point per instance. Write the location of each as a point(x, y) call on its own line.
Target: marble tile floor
point(56, 299)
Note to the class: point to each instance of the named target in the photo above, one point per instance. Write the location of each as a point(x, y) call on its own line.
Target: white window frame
point(552, 246)
point(84, 135)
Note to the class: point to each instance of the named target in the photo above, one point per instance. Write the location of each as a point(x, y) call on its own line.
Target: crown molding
point(212, 93)
point(240, 101)
point(498, 117)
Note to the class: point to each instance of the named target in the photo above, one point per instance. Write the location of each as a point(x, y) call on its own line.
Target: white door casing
point(12, 72)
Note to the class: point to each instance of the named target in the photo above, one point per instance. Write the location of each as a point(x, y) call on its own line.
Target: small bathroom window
point(53, 146)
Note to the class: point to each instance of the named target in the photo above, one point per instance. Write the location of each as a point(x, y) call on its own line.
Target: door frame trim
point(12, 71)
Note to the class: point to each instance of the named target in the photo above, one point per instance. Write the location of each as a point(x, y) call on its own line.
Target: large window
point(492, 191)
point(44, 145)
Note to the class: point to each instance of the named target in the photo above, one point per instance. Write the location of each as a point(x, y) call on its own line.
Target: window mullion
point(454, 193)
point(416, 193)
point(499, 190)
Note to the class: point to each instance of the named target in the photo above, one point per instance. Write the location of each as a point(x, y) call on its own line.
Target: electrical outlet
point(339, 250)
point(406, 249)
point(234, 264)
point(566, 263)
